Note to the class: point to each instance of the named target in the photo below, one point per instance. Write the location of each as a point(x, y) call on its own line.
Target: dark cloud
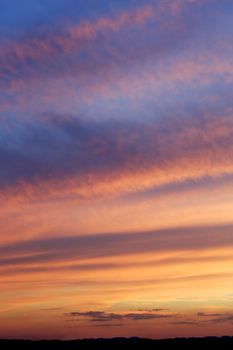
point(96, 316)
point(207, 318)
point(101, 316)
point(146, 316)
point(216, 317)
point(224, 318)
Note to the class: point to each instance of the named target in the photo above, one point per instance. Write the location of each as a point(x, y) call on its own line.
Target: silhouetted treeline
point(222, 343)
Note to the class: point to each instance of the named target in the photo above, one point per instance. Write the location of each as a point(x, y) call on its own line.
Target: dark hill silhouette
point(223, 343)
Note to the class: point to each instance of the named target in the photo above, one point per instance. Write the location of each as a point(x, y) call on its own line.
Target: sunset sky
point(116, 168)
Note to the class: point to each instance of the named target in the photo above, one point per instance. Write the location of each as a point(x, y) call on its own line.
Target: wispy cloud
point(97, 245)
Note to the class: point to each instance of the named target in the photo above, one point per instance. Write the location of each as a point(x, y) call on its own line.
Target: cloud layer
point(116, 168)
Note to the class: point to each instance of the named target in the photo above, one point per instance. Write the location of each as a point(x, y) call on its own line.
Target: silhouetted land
point(223, 343)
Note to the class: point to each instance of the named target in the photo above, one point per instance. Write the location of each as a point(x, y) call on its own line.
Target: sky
point(116, 168)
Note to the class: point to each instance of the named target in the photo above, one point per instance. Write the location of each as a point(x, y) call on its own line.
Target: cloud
point(45, 44)
point(102, 316)
point(116, 116)
point(47, 263)
point(71, 154)
point(216, 317)
point(94, 245)
point(39, 48)
point(224, 318)
point(85, 155)
point(19, 256)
